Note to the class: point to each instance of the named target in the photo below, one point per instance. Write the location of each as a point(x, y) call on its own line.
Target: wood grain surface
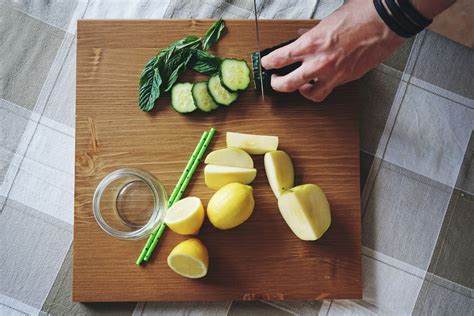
point(260, 259)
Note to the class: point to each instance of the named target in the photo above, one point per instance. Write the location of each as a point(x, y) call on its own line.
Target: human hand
point(341, 48)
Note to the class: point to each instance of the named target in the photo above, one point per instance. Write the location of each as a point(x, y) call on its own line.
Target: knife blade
point(258, 50)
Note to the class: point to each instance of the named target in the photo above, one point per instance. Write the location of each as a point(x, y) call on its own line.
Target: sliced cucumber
point(202, 98)
point(235, 74)
point(181, 98)
point(220, 94)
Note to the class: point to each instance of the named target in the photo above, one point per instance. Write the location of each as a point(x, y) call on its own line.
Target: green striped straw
point(173, 195)
point(177, 192)
point(182, 188)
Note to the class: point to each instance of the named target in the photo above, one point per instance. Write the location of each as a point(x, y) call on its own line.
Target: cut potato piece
point(279, 170)
point(230, 157)
point(306, 211)
point(218, 176)
point(253, 144)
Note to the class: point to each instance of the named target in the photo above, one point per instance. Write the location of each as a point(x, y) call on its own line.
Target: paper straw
point(173, 195)
point(181, 190)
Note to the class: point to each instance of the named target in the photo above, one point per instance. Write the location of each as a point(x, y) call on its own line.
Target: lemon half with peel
point(230, 206)
point(186, 216)
point(189, 258)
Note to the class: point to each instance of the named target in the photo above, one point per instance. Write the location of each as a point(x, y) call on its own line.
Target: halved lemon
point(186, 216)
point(189, 259)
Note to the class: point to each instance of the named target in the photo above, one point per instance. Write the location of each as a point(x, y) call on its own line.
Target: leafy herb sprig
point(162, 71)
point(205, 63)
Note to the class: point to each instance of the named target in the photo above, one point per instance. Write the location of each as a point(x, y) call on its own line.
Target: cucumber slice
point(220, 94)
point(235, 74)
point(181, 98)
point(202, 98)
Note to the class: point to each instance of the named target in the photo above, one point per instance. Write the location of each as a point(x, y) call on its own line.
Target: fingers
point(284, 56)
point(316, 92)
point(292, 81)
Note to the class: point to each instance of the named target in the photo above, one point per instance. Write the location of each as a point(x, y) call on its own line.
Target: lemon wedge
point(189, 258)
point(186, 216)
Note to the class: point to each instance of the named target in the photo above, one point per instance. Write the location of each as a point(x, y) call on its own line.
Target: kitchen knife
point(262, 76)
point(257, 56)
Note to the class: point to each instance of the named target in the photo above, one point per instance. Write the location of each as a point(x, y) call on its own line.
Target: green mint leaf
point(166, 54)
point(175, 67)
point(147, 70)
point(213, 34)
point(149, 85)
point(163, 70)
point(186, 42)
point(205, 63)
point(155, 89)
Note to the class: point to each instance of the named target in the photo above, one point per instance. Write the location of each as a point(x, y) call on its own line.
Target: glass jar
point(129, 203)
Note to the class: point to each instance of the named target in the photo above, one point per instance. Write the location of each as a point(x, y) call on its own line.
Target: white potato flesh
point(218, 176)
point(253, 144)
point(279, 170)
point(306, 210)
point(230, 157)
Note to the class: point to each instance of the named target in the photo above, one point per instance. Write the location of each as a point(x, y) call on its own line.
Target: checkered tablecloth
point(417, 167)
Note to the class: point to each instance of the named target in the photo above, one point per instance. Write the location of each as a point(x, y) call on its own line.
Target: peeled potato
point(253, 144)
point(279, 170)
point(218, 176)
point(306, 211)
point(230, 157)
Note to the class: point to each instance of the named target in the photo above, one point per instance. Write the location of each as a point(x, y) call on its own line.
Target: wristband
point(413, 13)
point(399, 16)
point(389, 20)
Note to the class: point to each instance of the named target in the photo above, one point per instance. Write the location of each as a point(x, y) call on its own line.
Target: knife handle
point(267, 73)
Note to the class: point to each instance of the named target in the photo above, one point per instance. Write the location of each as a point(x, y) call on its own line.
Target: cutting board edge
point(85, 298)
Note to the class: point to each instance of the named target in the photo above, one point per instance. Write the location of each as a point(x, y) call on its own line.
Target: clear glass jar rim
point(159, 202)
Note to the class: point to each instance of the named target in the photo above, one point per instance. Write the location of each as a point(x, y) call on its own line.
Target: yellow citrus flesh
point(186, 216)
point(189, 258)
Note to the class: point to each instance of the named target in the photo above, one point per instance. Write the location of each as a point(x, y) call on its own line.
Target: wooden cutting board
point(260, 259)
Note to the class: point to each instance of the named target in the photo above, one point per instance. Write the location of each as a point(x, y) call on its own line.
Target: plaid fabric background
point(417, 166)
